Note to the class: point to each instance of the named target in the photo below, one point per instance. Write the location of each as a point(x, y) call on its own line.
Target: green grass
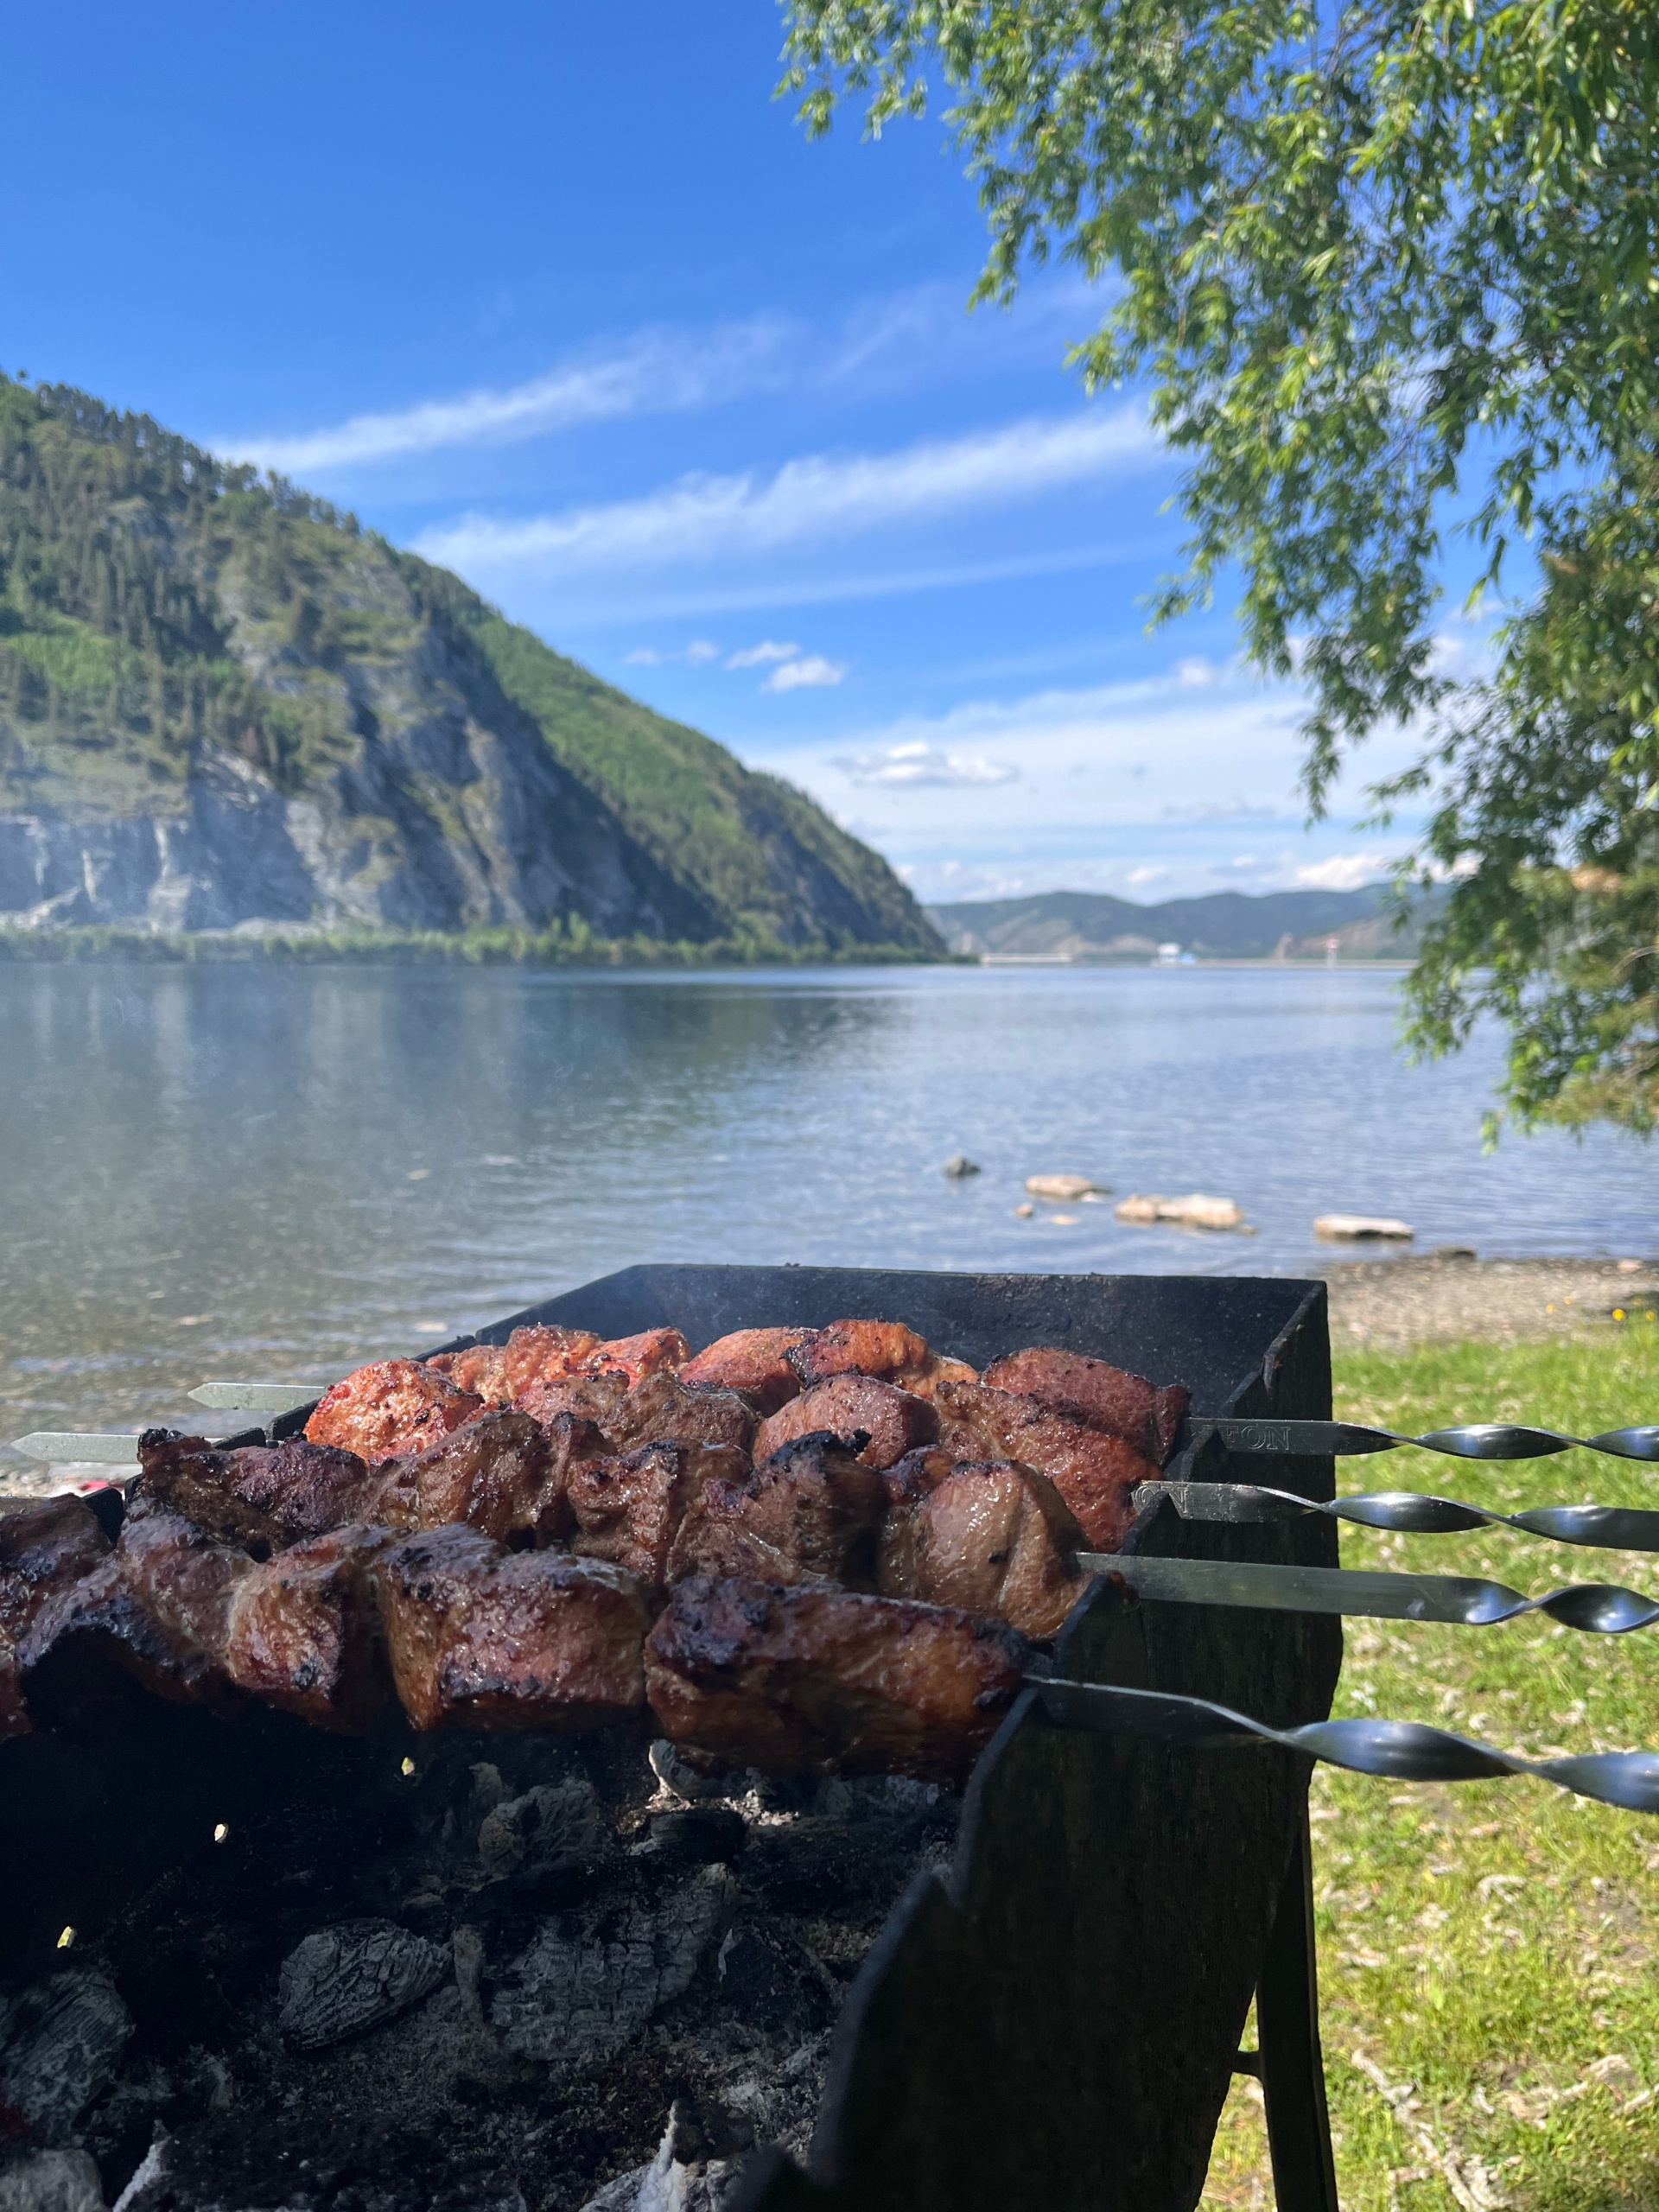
point(1489, 1950)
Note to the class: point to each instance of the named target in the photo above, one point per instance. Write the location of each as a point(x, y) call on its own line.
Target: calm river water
point(275, 1172)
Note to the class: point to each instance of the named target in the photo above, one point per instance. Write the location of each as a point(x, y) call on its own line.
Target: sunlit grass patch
point(1489, 1952)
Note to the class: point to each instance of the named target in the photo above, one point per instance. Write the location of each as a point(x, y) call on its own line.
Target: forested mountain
point(224, 705)
point(1226, 925)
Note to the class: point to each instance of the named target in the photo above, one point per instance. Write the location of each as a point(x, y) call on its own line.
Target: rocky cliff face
point(222, 707)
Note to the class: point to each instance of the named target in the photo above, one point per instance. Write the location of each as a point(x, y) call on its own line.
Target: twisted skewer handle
point(1411, 1513)
point(1400, 1750)
point(1483, 1439)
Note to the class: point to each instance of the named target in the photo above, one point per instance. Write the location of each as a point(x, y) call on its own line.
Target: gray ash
point(446, 1975)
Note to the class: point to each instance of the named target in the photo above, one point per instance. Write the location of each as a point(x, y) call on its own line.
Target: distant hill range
point(1086, 925)
point(224, 707)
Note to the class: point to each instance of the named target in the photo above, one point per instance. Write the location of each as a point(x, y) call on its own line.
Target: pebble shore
point(1439, 1299)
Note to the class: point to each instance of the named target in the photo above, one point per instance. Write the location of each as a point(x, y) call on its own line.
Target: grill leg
point(1287, 2030)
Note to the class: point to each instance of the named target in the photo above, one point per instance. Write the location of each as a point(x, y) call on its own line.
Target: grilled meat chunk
point(259, 1497)
point(44, 1550)
point(814, 1681)
point(753, 1361)
point(492, 1474)
point(389, 1408)
point(1095, 1474)
point(659, 1410)
point(629, 1509)
point(477, 1370)
point(482, 1637)
point(891, 1420)
point(155, 1612)
point(858, 1348)
point(992, 1537)
point(541, 1354)
point(807, 1513)
point(654, 1351)
point(885, 1349)
point(303, 1633)
point(1097, 1394)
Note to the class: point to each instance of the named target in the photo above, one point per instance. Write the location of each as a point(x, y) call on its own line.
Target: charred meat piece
point(858, 1348)
point(259, 1497)
point(304, 1633)
point(807, 1513)
point(492, 1474)
point(44, 1550)
point(156, 1612)
point(885, 1349)
point(629, 1509)
point(655, 1351)
point(992, 1537)
point(391, 1406)
point(14, 1712)
point(892, 1420)
point(813, 1681)
point(1099, 1395)
point(753, 1361)
point(1095, 1474)
point(659, 1410)
point(570, 1441)
point(482, 1637)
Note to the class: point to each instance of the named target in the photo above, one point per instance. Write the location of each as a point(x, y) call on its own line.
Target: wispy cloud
point(819, 496)
point(908, 768)
point(813, 672)
point(769, 649)
point(900, 337)
point(1344, 871)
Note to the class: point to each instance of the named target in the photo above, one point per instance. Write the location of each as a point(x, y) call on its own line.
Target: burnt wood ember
point(303, 1633)
point(990, 1537)
point(818, 1681)
point(893, 1422)
point(258, 1496)
point(809, 1513)
point(753, 1361)
point(1097, 1394)
point(482, 1637)
point(491, 1473)
point(1095, 1474)
point(629, 1509)
point(393, 1407)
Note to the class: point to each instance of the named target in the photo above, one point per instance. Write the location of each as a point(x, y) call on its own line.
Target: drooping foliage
point(1387, 267)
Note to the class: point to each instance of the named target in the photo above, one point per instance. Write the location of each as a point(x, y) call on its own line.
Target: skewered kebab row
point(485, 1566)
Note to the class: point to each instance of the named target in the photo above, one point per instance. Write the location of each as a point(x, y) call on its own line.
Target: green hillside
point(220, 698)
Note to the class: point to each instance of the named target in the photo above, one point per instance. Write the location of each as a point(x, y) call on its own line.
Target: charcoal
point(556, 1829)
point(773, 1985)
point(701, 1835)
point(593, 1976)
point(61, 2043)
point(342, 1980)
point(52, 2181)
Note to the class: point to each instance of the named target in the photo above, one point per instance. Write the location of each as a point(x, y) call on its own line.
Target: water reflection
point(229, 1171)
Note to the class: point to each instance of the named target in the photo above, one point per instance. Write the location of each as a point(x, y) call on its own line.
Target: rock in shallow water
point(341, 1981)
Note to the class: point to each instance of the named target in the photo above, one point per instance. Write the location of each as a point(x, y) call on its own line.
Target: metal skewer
point(1468, 1601)
point(1403, 1750)
point(1488, 1439)
point(1409, 1512)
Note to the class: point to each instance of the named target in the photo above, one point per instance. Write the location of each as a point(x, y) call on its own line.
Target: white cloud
point(758, 656)
point(654, 372)
point(1344, 871)
point(644, 656)
point(818, 496)
point(1139, 878)
point(1197, 673)
point(700, 651)
point(813, 672)
point(915, 766)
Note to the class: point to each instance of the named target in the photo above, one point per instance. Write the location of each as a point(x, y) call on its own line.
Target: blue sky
point(563, 297)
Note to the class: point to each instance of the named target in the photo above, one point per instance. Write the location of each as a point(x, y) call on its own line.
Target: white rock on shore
point(1068, 1189)
point(1356, 1228)
point(1196, 1210)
